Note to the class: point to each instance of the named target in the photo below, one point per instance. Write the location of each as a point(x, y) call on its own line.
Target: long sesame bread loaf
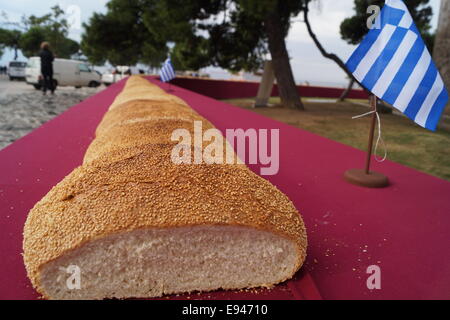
point(130, 222)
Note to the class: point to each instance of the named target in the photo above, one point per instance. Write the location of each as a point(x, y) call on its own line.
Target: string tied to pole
point(379, 137)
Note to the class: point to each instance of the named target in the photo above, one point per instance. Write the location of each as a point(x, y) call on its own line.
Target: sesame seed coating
point(145, 109)
point(128, 181)
point(136, 133)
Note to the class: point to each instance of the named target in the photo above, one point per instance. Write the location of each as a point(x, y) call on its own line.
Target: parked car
point(16, 70)
point(65, 73)
point(117, 74)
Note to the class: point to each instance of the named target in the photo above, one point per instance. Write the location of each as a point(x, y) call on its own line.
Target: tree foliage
point(10, 39)
point(231, 34)
point(121, 37)
point(28, 34)
point(223, 33)
point(353, 29)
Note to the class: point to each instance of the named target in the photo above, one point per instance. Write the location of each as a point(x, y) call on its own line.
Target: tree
point(241, 32)
point(232, 34)
point(52, 27)
point(10, 39)
point(441, 53)
point(276, 20)
point(121, 36)
point(30, 32)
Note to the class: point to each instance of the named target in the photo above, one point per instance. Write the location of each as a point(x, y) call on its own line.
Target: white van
point(16, 70)
point(65, 73)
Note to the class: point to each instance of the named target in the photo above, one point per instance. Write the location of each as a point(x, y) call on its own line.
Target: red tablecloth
point(404, 228)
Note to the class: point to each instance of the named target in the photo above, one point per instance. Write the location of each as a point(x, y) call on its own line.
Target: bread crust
point(145, 109)
point(148, 191)
point(135, 133)
point(137, 87)
point(132, 183)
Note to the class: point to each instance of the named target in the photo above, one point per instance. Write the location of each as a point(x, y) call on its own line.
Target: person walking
point(47, 58)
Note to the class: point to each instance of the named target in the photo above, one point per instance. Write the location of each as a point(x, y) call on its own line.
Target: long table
point(403, 229)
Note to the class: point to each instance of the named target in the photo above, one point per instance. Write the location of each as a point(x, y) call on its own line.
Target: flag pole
point(373, 104)
point(365, 177)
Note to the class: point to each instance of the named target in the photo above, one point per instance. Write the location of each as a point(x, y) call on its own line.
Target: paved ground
point(23, 108)
point(13, 87)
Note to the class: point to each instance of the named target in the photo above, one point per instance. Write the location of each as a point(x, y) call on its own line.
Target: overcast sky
point(307, 62)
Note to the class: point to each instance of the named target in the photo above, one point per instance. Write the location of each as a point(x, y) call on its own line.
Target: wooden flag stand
point(365, 177)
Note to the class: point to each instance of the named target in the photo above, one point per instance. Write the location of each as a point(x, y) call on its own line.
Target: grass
point(406, 142)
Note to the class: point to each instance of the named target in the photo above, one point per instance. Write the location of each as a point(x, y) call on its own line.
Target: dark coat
point(46, 61)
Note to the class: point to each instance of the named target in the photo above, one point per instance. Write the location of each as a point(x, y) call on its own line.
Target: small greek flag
point(393, 63)
point(167, 72)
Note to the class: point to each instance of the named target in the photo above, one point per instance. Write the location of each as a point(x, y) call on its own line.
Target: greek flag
point(167, 72)
point(393, 63)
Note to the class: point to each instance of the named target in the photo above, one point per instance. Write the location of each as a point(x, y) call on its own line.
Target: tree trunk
point(441, 52)
point(347, 91)
point(287, 88)
point(265, 86)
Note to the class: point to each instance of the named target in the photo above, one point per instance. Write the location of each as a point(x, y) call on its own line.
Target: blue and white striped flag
point(167, 72)
point(393, 63)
